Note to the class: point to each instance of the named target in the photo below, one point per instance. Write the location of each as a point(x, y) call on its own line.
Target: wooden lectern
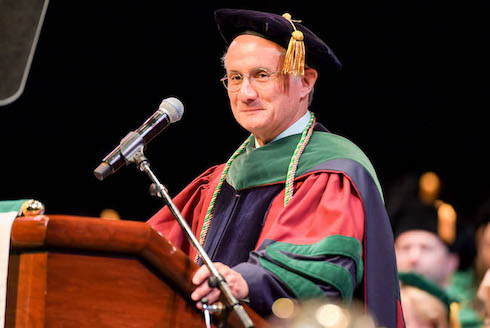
point(69, 271)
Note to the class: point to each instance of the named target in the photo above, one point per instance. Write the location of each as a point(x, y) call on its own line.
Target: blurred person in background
point(425, 304)
point(419, 247)
point(432, 241)
point(465, 283)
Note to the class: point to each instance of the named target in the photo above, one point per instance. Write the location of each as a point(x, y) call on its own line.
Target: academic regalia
point(332, 239)
point(429, 291)
point(463, 286)
point(424, 213)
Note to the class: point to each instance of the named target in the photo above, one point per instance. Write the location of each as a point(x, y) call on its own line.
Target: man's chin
point(254, 125)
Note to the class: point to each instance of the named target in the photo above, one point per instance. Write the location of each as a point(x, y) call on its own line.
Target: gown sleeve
point(310, 248)
point(193, 202)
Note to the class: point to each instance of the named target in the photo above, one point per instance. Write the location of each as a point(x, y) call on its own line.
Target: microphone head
point(173, 107)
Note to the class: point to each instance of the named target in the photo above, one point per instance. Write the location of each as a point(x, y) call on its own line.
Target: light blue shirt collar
point(296, 128)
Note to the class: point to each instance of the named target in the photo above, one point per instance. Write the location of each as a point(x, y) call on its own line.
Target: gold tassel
point(454, 321)
point(294, 62)
point(446, 222)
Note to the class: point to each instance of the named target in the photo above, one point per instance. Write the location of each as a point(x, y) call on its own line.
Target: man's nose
point(247, 91)
point(414, 255)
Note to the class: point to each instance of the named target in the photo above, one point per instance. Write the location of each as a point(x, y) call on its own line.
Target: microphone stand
point(131, 149)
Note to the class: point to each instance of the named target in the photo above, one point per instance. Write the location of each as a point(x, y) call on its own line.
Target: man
point(418, 245)
point(425, 304)
point(482, 241)
point(297, 211)
point(465, 283)
point(428, 241)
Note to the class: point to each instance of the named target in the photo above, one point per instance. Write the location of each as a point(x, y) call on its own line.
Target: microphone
point(170, 111)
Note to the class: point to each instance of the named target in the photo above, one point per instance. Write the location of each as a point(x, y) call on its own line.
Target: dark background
point(413, 95)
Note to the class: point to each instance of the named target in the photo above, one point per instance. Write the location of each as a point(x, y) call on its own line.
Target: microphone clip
point(132, 147)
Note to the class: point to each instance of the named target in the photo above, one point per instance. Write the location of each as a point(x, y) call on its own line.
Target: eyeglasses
point(258, 78)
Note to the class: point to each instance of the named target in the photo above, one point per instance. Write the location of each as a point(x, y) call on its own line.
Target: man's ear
point(453, 262)
point(308, 81)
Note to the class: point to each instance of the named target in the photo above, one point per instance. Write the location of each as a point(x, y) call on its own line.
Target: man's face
point(423, 252)
point(267, 110)
point(483, 249)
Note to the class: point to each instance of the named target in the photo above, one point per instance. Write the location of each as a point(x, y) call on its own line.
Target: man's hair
point(310, 95)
